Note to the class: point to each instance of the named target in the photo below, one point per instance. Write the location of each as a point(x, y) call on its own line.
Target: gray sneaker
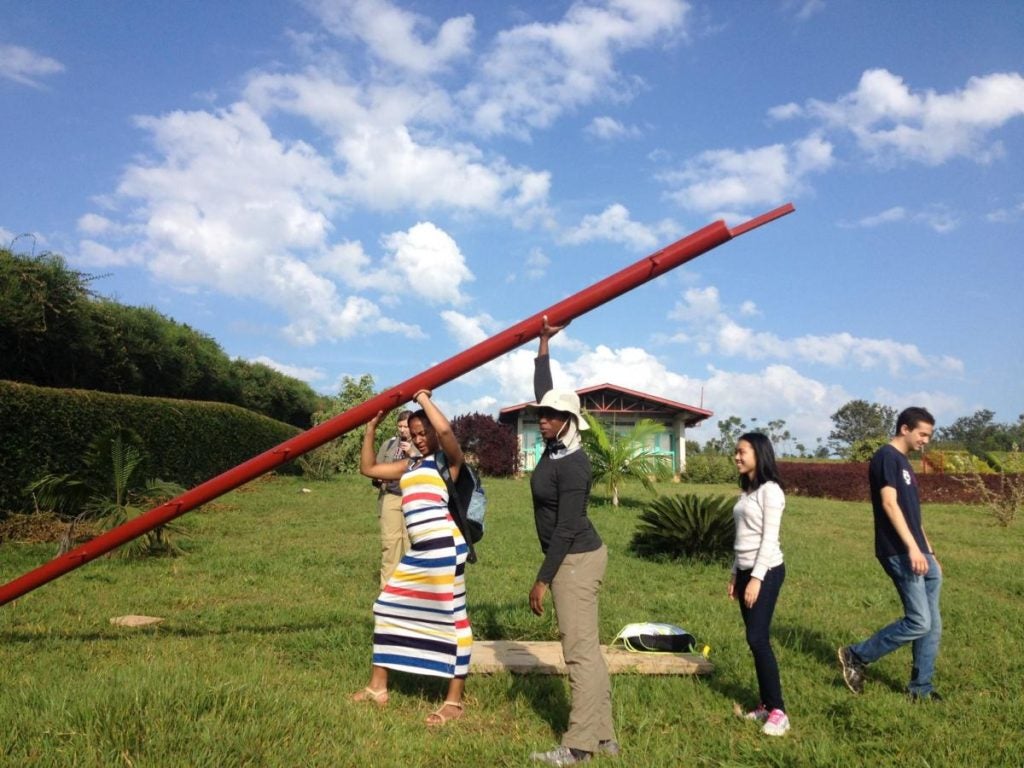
point(560, 756)
point(853, 669)
point(609, 747)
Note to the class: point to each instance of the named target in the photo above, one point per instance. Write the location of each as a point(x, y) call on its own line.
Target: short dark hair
point(912, 416)
point(404, 415)
point(767, 470)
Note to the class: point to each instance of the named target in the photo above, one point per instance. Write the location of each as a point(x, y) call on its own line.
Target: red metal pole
point(646, 269)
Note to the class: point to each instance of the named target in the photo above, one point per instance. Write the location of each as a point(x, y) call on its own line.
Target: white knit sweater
point(758, 517)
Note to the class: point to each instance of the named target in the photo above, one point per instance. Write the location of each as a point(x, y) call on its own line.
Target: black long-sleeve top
point(561, 488)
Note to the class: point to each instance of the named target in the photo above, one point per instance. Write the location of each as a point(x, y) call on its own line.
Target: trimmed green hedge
point(46, 431)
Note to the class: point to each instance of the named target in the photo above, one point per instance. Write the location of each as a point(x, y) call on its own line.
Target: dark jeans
point(758, 621)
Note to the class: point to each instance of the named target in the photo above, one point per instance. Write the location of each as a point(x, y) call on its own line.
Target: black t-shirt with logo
point(891, 468)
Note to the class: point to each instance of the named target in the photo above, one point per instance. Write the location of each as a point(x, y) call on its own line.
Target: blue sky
point(339, 187)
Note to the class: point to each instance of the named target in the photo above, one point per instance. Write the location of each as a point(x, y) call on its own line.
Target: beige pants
point(394, 539)
point(574, 591)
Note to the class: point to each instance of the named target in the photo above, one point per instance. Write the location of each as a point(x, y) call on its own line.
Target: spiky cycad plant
point(616, 458)
point(687, 525)
point(110, 489)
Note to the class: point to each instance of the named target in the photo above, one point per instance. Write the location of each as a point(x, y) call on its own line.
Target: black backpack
point(467, 502)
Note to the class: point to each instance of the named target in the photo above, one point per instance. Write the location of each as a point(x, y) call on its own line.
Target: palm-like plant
point(688, 525)
point(110, 489)
point(616, 458)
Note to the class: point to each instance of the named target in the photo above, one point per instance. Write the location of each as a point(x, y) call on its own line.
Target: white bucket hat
point(566, 401)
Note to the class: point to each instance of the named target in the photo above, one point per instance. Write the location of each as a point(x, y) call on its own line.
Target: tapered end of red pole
point(764, 218)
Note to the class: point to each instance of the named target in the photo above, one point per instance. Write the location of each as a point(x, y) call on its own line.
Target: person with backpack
point(758, 570)
point(420, 620)
point(574, 564)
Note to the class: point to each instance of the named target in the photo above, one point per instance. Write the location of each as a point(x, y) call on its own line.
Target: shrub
point(48, 431)
point(111, 488)
point(688, 525)
point(708, 469)
point(954, 462)
point(1006, 461)
point(863, 450)
point(846, 481)
point(489, 445)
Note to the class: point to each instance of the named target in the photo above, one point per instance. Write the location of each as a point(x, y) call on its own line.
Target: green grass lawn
point(267, 631)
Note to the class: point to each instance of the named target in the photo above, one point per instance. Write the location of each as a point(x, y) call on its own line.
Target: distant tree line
point(859, 427)
point(56, 332)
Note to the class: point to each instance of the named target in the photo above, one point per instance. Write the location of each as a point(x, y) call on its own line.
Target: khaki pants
point(574, 591)
point(394, 539)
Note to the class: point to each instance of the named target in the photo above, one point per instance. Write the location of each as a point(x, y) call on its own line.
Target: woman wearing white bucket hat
point(575, 559)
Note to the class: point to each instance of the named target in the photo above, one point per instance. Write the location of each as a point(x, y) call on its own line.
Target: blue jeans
point(921, 625)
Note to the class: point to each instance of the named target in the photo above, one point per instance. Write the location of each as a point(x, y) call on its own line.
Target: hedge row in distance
point(848, 481)
point(47, 431)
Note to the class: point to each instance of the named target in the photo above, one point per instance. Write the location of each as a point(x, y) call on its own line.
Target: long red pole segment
point(646, 269)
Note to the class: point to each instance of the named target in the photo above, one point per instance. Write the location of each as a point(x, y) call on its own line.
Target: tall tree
point(860, 420)
point(342, 454)
point(729, 431)
point(979, 432)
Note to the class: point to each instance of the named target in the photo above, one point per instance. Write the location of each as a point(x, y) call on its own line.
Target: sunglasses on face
point(550, 413)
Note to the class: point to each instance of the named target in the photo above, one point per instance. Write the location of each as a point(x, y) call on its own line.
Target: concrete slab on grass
point(545, 658)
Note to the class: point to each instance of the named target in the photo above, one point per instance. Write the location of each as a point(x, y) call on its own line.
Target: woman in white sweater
point(758, 570)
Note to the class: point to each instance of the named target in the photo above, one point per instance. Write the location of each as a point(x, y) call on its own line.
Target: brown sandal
point(380, 698)
point(437, 718)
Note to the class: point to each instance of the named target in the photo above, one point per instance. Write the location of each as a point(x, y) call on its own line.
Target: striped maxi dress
point(420, 620)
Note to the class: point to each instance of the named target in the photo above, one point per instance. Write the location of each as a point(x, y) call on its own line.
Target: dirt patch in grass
point(41, 528)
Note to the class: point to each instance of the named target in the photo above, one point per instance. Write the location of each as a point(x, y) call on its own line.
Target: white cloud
point(95, 254)
point(537, 264)
point(615, 225)
point(387, 164)
point(888, 216)
point(708, 326)
point(891, 123)
point(6, 237)
point(726, 179)
point(428, 263)
point(939, 218)
point(536, 72)
point(228, 207)
point(777, 391)
point(1004, 215)
point(805, 9)
point(26, 66)
point(391, 33)
point(295, 371)
point(467, 331)
point(609, 129)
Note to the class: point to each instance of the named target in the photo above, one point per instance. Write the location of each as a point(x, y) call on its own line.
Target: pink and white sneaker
point(777, 723)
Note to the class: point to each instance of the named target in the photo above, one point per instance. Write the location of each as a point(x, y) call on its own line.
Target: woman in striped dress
point(420, 620)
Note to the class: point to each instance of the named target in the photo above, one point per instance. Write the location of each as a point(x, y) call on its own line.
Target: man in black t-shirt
point(907, 557)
